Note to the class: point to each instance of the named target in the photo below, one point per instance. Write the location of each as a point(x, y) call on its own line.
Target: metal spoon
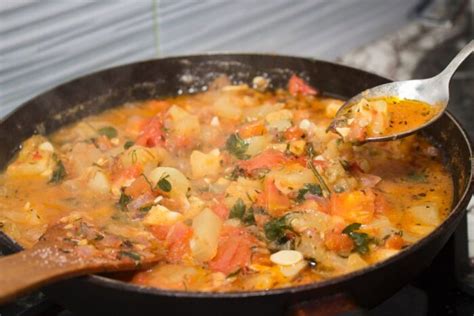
point(433, 91)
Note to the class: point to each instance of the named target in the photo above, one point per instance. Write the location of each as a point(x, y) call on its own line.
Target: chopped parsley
point(238, 210)
point(163, 184)
point(237, 146)
point(131, 254)
point(108, 131)
point(128, 144)
point(361, 240)
point(311, 188)
point(145, 209)
point(59, 173)
point(275, 229)
point(416, 177)
point(124, 200)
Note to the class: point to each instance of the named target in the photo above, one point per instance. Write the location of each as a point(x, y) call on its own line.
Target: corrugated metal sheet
point(44, 43)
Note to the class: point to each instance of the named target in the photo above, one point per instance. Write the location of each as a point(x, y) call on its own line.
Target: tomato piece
point(293, 133)
point(394, 242)
point(233, 251)
point(296, 86)
point(355, 206)
point(252, 129)
point(152, 133)
point(160, 231)
point(267, 159)
point(177, 240)
point(221, 210)
point(274, 201)
point(338, 242)
point(138, 187)
point(127, 173)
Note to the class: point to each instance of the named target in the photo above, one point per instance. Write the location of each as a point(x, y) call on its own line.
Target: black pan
point(170, 76)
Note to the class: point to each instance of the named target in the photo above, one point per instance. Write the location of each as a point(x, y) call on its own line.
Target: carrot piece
point(234, 250)
point(267, 159)
point(138, 187)
point(274, 201)
point(293, 133)
point(296, 86)
point(338, 242)
point(355, 206)
point(252, 129)
point(177, 240)
point(395, 242)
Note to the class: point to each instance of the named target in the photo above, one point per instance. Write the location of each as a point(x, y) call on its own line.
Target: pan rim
point(456, 211)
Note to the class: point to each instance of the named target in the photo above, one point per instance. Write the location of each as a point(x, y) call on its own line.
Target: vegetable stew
point(241, 186)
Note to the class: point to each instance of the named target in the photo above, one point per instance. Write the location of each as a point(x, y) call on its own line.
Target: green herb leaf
point(128, 144)
point(237, 146)
point(235, 174)
point(163, 184)
point(145, 209)
point(361, 240)
point(275, 229)
point(311, 188)
point(416, 177)
point(123, 201)
point(132, 255)
point(59, 173)
point(249, 217)
point(235, 273)
point(108, 131)
point(238, 210)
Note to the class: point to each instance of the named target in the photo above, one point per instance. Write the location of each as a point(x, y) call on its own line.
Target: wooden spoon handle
point(30, 269)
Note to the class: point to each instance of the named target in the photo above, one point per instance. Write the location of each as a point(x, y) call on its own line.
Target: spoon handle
point(28, 270)
point(448, 72)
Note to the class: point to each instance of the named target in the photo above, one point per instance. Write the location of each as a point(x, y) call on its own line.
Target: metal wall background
point(44, 43)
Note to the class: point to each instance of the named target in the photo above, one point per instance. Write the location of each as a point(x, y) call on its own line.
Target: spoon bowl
point(433, 91)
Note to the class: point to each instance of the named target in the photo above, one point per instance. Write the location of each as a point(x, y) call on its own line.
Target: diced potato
point(188, 126)
point(332, 106)
point(314, 219)
point(257, 144)
point(422, 219)
point(292, 177)
point(297, 147)
point(196, 205)
point(179, 183)
point(34, 159)
point(224, 106)
point(142, 156)
point(160, 215)
point(183, 123)
point(244, 189)
point(279, 120)
point(177, 113)
point(355, 262)
point(98, 181)
point(260, 112)
point(205, 164)
point(426, 214)
point(382, 254)
point(206, 228)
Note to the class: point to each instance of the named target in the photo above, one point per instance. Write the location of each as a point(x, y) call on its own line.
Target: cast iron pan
point(170, 76)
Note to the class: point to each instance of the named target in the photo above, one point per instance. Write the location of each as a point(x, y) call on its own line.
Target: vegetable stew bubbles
point(242, 186)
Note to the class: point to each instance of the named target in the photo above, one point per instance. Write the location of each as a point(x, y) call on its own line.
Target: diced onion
point(206, 228)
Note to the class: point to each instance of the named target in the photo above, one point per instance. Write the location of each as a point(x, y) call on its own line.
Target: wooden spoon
point(71, 248)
